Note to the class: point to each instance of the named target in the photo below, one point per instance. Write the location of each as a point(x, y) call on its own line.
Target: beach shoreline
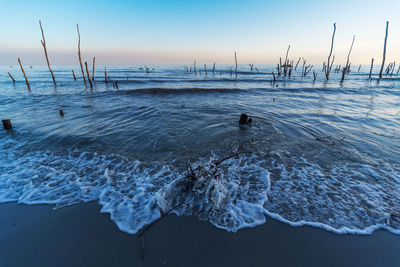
point(79, 235)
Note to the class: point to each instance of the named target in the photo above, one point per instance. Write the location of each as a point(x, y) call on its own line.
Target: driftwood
point(23, 71)
point(329, 64)
point(384, 51)
point(12, 78)
point(45, 52)
point(88, 75)
point(79, 54)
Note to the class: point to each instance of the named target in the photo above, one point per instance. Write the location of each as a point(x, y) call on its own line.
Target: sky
point(177, 32)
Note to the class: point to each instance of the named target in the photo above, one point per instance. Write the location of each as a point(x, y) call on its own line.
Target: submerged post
point(73, 74)
point(79, 54)
point(45, 52)
point(7, 124)
point(384, 50)
point(23, 71)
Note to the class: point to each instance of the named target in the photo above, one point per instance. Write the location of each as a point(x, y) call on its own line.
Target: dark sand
point(80, 236)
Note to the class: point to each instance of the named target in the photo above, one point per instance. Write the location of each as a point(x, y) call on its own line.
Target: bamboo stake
point(23, 71)
point(88, 75)
point(236, 65)
point(73, 74)
point(329, 65)
point(94, 64)
point(384, 50)
point(79, 54)
point(45, 52)
point(12, 78)
point(372, 65)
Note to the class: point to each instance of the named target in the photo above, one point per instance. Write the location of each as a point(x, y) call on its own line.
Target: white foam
point(343, 199)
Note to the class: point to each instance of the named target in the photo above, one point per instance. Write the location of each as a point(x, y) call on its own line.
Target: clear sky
point(176, 31)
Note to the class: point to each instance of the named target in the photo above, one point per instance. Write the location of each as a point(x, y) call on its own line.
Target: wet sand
point(81, 236)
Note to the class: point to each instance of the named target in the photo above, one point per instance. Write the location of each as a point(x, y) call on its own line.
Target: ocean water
point(324, 154)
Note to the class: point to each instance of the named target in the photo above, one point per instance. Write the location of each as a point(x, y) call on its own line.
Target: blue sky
point(175, 31)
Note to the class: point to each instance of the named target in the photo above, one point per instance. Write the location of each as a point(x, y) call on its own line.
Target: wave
point(136, 193)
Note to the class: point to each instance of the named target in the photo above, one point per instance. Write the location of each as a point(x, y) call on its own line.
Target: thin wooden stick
point(88, 75)
point(298, 61)
point(236, 65)
point(45, 52)
point(194, 67)
point(12, 78)
point(105, 74)
point(79, 54)
point(23, 71)
point(205, 69)
point(213, 70)
point(94, 64)
point(73, 74)
point(329, 65)
point(384, 50)
point(370, 71)
point(345, 69)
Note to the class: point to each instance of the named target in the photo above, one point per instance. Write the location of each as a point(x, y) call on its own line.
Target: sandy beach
point(79, 235)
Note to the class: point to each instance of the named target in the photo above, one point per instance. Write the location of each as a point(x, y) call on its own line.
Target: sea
point(318, 153)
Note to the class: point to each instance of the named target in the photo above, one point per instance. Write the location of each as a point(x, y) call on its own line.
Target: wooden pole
point(79, 54)
point(73, 74)
point(205, 69)
point(384, 51)
point(94, 64)
point(372, 65)
point(12, 78)
point(88, 75)
point(194, 67)
point(329, 64)
point(23, 71)
point(236, 65)
point(45, 52)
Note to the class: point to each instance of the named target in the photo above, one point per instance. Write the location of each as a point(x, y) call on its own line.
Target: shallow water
point(329, 151)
